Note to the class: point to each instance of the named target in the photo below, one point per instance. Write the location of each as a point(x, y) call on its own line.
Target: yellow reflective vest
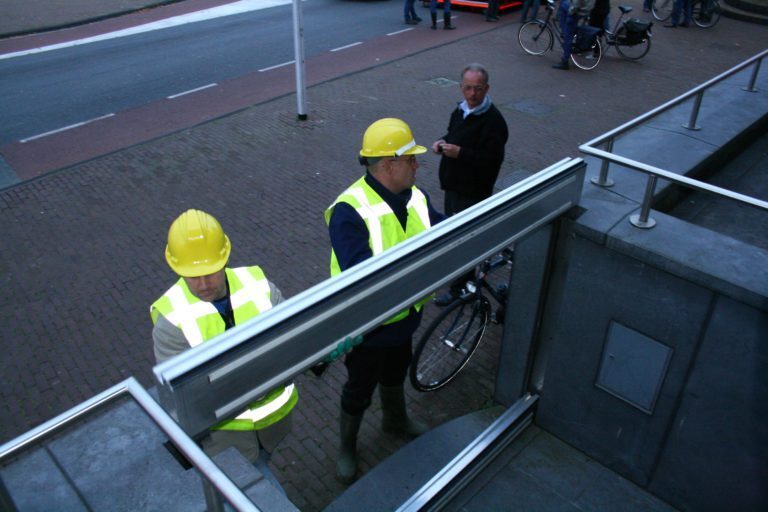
point(200, 321)
point(384, 230)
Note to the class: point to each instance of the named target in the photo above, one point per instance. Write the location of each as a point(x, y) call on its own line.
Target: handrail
point(130, 386)
point(642, 220)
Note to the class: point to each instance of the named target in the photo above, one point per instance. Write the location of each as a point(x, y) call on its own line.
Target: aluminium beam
point(218, 379)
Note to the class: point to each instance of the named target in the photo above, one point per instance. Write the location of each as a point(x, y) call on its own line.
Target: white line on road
point(40, 136)
point(347, 46)
point(174, 96)
point(206, 14)
point(400, 31)
point(277, 66)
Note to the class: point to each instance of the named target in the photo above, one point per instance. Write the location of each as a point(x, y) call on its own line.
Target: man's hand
point(342, 348)
point(450, 150)
point(437, 146)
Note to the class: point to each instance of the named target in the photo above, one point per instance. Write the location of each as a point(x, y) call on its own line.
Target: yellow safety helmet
point(197, 246)
point(389, 137)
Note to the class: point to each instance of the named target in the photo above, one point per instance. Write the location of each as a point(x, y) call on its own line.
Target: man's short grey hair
point(475, 67)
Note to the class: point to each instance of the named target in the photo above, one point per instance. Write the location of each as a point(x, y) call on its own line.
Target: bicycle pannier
point(637, 31)
point(585, 37)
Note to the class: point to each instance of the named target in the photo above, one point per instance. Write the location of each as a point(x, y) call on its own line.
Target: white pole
point(298, 48)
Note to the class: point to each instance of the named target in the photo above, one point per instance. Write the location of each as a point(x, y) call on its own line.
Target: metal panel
point(217, 379)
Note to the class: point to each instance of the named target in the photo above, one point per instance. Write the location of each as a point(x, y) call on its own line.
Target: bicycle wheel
point(587, 59)
point(448, 343)
point(632, 47)
point(535, 37)
point(705, 13)
point(662, 9)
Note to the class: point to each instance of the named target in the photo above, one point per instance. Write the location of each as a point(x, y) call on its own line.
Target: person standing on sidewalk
point(379, 210)
point(472, 150)
point(446, 14)
point(411, 18)
point(208, 299)
point(492, 11)
point(680, 8)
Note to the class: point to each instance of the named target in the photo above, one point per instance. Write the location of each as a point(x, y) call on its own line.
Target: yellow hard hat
point(389, 137)
point(197, 246)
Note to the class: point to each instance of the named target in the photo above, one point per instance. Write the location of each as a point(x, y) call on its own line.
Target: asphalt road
point(42, 92)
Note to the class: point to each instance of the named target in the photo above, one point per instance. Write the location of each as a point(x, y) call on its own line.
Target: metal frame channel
point(218, 379)
point(209, 470)
point(450, 480)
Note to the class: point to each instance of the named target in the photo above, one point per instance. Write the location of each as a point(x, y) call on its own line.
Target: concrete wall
point(703, 445)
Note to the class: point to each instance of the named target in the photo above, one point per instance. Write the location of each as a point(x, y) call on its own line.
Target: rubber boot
point(395, 417)
point(447, 21)
point(434, 21)
point(346, 464)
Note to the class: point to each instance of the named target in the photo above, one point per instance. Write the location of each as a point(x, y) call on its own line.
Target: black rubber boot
point(395, 417)
point(563, 64)
point(346, 464)
point(447, 21)
point(434, 21)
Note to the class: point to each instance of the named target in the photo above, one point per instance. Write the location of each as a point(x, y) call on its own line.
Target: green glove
point(343, 347)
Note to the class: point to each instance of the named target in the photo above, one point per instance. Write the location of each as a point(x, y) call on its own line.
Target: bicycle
point(631, 38)
point(454, 335)
point(704, 13)
point(537, 36)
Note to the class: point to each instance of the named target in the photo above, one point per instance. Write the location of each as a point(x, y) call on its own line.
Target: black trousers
point(369, 366)
point(454, 203)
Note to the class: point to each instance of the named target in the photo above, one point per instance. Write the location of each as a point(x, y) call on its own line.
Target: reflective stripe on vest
point(200, 321)
point(384, 229)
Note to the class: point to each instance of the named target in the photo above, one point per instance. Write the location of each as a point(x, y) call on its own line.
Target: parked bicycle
point(631, 38)
point(704, 13)
point(538, 36)
point(454, 335)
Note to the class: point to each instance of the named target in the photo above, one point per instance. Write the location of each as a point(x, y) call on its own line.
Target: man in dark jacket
point(472, 150)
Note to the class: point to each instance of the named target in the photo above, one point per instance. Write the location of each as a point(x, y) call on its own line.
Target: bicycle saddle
point(625, 8)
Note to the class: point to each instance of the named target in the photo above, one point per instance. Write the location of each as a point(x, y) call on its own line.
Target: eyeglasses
point(410, 160)
point(476, 88)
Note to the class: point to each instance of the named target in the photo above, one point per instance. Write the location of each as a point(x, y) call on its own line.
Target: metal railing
point(643, 220)
point(213, 476)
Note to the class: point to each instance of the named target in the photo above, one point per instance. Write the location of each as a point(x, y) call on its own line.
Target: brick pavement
point(83, 258)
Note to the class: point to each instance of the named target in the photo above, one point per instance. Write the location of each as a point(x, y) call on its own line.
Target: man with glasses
point(472, 150)
point(379, 210)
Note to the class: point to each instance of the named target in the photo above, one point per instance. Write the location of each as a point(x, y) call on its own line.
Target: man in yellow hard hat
point(378, 211)
point(208, 299)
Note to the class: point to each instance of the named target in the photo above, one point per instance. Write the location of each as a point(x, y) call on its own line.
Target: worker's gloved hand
point(343, 347)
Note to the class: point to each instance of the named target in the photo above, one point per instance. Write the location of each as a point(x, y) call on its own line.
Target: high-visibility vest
point(384, 229)
point(200, 321)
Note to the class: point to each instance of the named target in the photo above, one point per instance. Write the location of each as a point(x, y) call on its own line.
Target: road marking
point(239, 7)
point(174, 96)
point(347, 46)
point(277, 66)
point(40, 136)
point(400, 31)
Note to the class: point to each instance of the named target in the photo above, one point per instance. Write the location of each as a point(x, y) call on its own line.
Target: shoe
point(411, 22)
point(670, 25)
point(563, 64)
point(447, 21)
point(684, 24)
point(417, 19)
point(645, 9)
point(492, 18)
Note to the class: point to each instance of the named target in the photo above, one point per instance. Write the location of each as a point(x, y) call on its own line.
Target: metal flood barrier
point(218, 379)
